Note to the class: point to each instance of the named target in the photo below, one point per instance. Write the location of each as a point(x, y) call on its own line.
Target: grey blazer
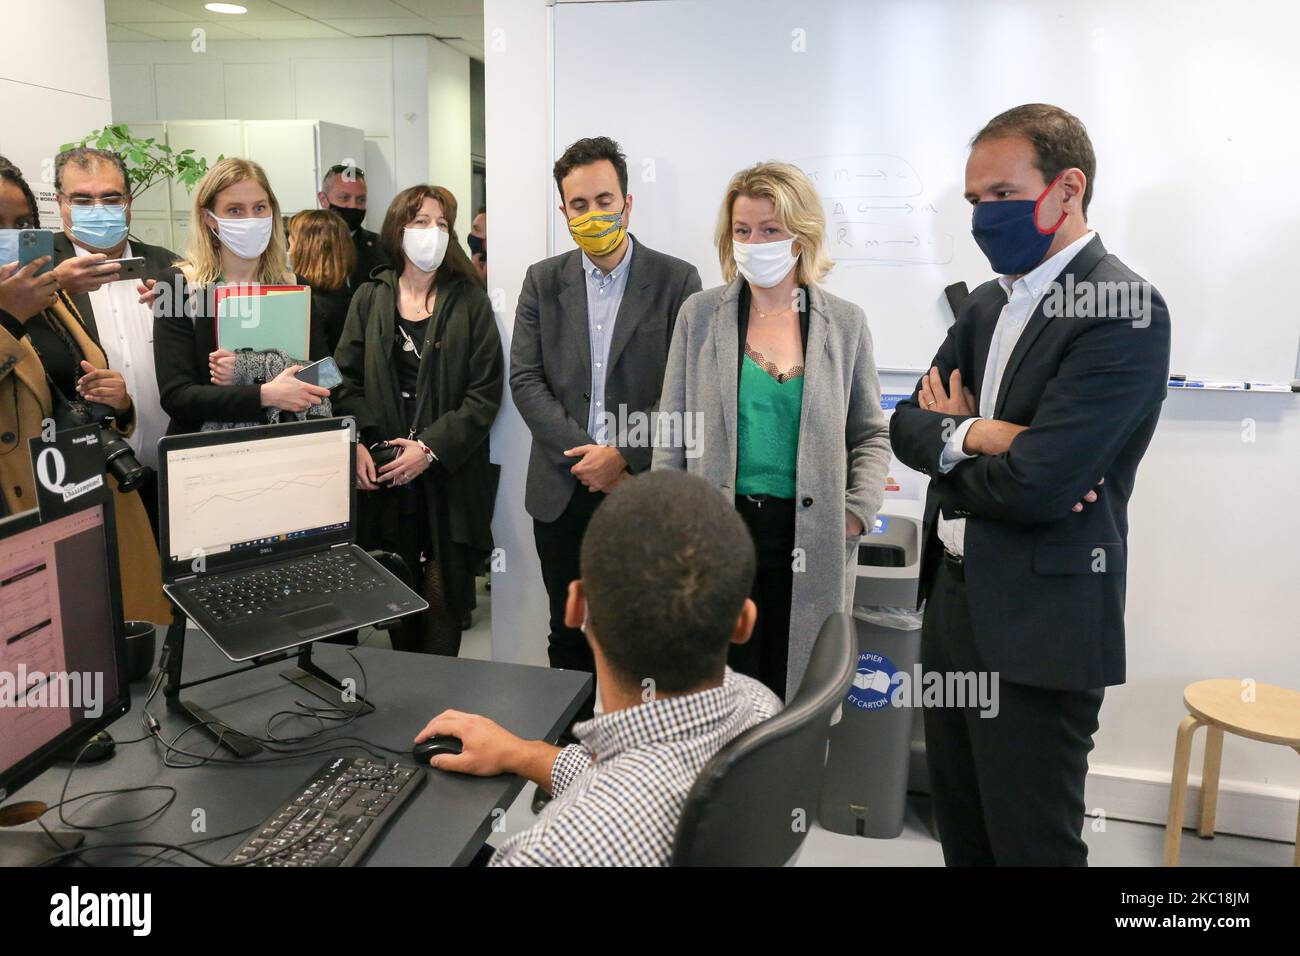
point(843, 440)
point(550, 362)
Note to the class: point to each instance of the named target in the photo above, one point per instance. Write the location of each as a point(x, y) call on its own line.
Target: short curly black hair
point(12, 174)
point(666, 564)
point(587, 151)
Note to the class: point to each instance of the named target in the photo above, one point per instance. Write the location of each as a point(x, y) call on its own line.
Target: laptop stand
point(307, 674)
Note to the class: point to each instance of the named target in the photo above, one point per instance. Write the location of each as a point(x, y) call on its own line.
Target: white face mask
point(246, 238)
point(425, 247)
point(765, 264)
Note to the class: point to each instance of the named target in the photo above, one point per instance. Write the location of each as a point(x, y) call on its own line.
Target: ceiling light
point(225, 8)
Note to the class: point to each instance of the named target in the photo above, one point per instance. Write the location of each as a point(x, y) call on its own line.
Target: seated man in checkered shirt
point(667, 566)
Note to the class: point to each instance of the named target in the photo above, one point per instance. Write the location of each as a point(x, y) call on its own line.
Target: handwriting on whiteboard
point(877, 210)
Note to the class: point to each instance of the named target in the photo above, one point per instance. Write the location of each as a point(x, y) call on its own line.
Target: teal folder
point(265, 317)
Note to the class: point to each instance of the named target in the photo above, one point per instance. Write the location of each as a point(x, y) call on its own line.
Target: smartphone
point(324, 373)
point(34, 243)
point(131, 268)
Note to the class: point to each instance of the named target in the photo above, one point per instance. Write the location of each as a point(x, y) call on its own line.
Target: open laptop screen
point(250, 493)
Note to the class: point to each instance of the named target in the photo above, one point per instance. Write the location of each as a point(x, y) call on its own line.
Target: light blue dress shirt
point(604, 296)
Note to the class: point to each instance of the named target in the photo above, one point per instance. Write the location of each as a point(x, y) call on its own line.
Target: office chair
point(753, 802)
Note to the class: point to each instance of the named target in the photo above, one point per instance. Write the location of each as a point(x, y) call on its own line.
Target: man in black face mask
point(343, 190)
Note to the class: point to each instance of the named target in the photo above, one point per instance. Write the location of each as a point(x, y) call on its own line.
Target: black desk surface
point(444, 824)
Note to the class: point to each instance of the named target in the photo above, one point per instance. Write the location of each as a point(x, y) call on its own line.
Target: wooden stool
point(1273, 716)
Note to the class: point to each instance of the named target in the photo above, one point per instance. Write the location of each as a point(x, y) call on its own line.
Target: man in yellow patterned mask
point(599, 234)
point(587, 359)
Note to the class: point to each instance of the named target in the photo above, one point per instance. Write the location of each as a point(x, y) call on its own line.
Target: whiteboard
point(1189, 105)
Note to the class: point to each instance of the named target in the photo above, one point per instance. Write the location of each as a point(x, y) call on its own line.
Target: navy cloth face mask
point(1007, 232)
point(100, 227)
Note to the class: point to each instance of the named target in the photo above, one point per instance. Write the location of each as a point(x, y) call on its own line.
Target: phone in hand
point(34, 243)
point(132, 268)
point(324, 373)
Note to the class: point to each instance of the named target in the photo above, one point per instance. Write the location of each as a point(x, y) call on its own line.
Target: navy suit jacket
point(1045, 585)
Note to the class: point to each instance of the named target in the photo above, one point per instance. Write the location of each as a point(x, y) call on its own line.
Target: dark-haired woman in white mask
point(771, 393)
point(422, 374)
point(235, 235)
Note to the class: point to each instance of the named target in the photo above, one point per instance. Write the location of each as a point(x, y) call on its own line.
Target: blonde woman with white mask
point(777, 379)
point(422, 374)
point(236, 235)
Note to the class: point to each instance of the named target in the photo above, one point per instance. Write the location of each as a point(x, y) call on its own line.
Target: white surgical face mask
point(425, 247)
point(246, 238)
point(765, 264)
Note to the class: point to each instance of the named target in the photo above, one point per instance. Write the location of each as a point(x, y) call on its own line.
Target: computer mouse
point(426, 749)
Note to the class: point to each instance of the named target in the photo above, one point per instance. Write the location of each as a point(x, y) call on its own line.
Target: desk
point(444, 824)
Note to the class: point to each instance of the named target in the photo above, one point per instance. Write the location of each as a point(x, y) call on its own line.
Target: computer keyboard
point(268, 589)
point(335, 819)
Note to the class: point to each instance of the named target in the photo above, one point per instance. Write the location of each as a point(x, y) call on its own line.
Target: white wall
point(519, 189)
point(51, 100)
point(384, 86)
point(450, 127)
point(1212, 569)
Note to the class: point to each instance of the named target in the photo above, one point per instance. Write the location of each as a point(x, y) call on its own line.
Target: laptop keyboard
point(272, 589)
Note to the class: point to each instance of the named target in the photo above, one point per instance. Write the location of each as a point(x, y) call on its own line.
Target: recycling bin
point(864, 792)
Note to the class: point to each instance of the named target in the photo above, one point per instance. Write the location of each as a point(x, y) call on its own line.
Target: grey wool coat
point(843, 440)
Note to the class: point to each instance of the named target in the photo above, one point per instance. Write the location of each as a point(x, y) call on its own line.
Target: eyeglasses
point(85, 202)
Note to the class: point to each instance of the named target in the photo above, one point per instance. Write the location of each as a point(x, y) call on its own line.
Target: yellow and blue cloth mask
point(597, 233)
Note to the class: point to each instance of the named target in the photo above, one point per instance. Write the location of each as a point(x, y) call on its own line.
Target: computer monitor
point(62, 647)
point(231, 497)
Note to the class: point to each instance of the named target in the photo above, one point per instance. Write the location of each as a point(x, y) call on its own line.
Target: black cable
point(153, 731)
point(64, 799)
point(184, 847)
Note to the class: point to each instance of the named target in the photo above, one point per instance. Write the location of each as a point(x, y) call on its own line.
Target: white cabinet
point(294, 153)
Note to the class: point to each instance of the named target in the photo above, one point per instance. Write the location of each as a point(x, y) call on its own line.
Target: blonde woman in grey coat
point(771, 393)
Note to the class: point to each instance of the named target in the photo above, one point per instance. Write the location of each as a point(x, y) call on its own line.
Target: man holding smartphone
point(94, 193)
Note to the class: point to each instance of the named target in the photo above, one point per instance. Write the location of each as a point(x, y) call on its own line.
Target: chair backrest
point(753, 802)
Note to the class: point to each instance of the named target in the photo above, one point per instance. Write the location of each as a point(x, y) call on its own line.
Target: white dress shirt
point(1023, 295)
point(126, 335)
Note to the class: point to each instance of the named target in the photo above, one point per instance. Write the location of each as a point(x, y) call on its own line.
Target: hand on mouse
point(488, 749)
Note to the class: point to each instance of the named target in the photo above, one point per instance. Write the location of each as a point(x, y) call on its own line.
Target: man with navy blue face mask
point(1031, 423)
point(94, 192)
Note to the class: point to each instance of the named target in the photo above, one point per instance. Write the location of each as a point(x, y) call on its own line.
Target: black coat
point(184, 335)
point(369, 256)
point(460, 379)
point(1046, 584)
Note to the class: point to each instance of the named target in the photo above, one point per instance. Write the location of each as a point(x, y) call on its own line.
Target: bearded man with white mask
point(780, 378)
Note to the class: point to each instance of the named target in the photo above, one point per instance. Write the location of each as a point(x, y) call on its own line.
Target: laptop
point(258, 537)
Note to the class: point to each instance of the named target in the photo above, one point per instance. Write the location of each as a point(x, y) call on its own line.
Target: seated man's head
point(667, 566)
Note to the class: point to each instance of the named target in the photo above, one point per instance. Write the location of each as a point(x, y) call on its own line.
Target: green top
point(767, 449)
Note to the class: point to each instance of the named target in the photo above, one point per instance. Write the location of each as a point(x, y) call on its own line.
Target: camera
point(119, 459)
point(383, 452)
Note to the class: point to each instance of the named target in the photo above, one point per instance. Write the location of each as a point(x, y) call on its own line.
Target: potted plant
point(147, 160)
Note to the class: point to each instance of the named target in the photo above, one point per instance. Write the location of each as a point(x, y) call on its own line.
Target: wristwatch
point(429, 456)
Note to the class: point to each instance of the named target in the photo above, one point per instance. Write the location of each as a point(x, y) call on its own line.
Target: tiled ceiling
point(457, 22)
